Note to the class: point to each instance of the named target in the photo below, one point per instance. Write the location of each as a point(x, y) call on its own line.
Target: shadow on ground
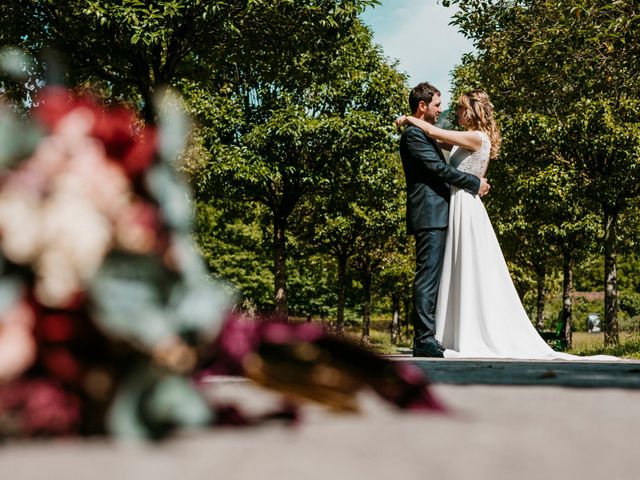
point(582, 374)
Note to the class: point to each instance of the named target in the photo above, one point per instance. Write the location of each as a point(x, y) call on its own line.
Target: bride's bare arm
point(469, 140)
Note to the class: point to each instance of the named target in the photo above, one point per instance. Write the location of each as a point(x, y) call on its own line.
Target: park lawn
point(593, 344)
point(583, 343)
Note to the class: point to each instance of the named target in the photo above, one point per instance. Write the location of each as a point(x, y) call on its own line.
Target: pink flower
point(137, 227)
point(64, 208)
point(17, 345)
point(125, 140)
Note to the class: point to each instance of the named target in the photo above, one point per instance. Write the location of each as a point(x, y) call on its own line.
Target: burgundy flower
point(55, 328)
point(62, 365)
point(37, 407)
point(141, 155)
point(125, 142)
point(115, 129)
point(55, 103)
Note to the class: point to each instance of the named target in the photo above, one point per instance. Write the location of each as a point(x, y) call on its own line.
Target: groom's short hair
point(424, 92)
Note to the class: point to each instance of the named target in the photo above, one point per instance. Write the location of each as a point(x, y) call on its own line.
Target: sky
point(418, 34)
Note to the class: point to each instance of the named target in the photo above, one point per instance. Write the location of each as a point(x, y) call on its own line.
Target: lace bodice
point(476, 162)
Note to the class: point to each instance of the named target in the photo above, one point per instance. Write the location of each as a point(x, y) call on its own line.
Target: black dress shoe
point(431, 349)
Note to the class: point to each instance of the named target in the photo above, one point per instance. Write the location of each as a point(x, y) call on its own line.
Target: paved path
point(625, 374)
point(494, 432)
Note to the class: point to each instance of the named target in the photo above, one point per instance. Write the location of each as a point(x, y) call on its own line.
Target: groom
point(428, 178)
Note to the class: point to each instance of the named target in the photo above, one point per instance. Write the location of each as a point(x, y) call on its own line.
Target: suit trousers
point(430, 246)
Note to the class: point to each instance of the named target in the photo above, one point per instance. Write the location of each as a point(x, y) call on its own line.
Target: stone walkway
point(497, 432)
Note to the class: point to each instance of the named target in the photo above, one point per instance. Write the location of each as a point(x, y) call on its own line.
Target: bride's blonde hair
point(478, 113)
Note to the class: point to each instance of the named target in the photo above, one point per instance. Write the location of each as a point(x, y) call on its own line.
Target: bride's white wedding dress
point(478, 312)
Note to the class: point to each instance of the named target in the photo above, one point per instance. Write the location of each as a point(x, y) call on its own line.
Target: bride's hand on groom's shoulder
point(400, 122)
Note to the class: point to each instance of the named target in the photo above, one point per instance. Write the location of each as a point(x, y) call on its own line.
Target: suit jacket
point(428, 176)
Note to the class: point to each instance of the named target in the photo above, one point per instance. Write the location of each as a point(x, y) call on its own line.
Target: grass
point(379, 337)
point(593, 344)
point(583, 343)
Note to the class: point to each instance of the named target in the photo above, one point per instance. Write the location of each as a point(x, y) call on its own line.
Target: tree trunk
point(280, 268)
point(541, 275)
point(567, 302)
point(148, 108)
point(395, 322)
point(407, 315)
point(366, 302)
point(611, 337)
point(342, 274)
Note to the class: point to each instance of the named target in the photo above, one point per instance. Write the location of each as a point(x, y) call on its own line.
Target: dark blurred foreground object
point(306, 364)
point(107, 315)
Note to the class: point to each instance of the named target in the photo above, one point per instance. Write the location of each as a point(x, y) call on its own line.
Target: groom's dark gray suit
point(428, 177)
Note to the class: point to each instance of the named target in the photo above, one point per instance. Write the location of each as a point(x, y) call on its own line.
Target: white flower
point(19, 226)
point(75, 237)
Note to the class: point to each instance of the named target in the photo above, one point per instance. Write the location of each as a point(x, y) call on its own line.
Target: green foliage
point(130, 48)
point(311, 277)
point(603, 135)
point(630, 303)
point(293, 104)
point(630, 324)
point(313, 150)
point(232, 244)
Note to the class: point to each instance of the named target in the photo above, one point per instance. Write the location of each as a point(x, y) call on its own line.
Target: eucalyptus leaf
point(173, 195)
point(176, 401)
point(174, 125)
point(17, 139)
point(200, 309)
point(149, 404)
point(15, 63)
point(11, 291)
point(129, 294)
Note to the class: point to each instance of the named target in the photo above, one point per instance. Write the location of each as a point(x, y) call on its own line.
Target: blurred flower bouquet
point(104, 302)
point(107, 315)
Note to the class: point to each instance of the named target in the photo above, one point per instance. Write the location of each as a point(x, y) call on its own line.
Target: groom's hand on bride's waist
point(484, 187)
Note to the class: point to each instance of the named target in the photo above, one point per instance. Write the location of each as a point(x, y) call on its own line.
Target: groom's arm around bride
point(428, 177)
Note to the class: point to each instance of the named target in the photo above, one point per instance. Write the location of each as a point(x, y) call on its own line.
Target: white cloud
point(418, 34)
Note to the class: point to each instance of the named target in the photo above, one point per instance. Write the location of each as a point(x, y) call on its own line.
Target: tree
point(358, 212)
point(518, 56)
point(605, 137)
point(231, 242)
point(395, 280)
point(560, 219)
point(381, 209)
point(131, 47)
point(291, 135)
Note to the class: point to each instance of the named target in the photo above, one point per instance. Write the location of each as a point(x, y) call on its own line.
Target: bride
point(478, 311)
